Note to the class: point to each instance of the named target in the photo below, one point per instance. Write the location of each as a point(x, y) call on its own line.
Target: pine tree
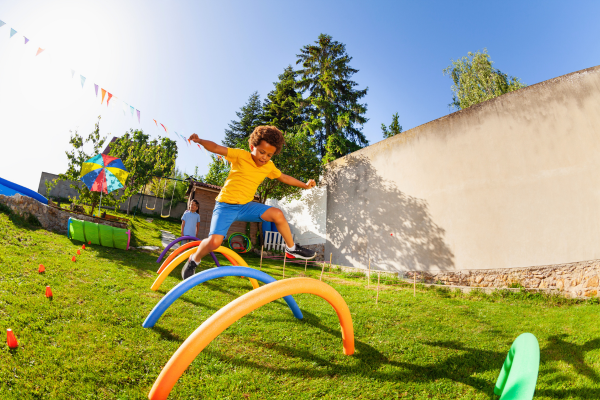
point(281, 107)
point(250, 116)
point(332, 102)
point(394, 129)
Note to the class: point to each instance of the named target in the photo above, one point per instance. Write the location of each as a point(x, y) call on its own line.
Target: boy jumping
point(234, 203)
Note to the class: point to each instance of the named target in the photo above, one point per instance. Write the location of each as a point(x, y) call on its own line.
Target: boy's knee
point(278, 215)
point(214, 243)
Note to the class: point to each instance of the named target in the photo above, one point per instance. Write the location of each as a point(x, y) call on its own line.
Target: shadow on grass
point(463, 365)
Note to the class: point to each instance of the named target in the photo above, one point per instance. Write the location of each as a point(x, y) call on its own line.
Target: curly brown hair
point(269, 134)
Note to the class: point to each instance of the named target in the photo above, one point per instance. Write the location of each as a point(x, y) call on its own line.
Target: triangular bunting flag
point(138, 114)
point(131, 110)
point(164, 128)
point(39, 51)
point(2, 23)
point(103, 94)
point(26, 40)
point(72, 73)
point(108, 98)
point(82, 79)
point(96, 87)
point(12, 32)
point(125, 108)
point(155, 122)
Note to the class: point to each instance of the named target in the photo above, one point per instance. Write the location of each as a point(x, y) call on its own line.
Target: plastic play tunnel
point(104, 235)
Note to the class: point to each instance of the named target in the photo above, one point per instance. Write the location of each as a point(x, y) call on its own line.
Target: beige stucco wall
point(511, 182)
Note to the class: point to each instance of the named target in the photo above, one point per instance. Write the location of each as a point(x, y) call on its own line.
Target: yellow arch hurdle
point(186, 254)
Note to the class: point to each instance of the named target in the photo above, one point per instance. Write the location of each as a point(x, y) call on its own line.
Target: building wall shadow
point(369, 217)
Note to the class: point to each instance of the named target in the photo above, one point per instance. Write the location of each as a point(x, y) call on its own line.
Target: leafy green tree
point(77, 156)
point(476, 80)
point(144, 159)
point(394, 129)
point(218, 170)
point(282, 108)
point(332, 102)
point(298, 158)
point(250, 116)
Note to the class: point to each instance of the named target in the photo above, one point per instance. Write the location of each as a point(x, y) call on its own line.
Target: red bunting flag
point(108, 99)
point(164, 128)
point(155, 122)
point(103, 94)
point(39, 51)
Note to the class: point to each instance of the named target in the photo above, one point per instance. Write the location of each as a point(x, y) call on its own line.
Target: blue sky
point(191, 65)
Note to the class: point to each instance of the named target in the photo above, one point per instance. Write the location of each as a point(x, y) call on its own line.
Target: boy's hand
point(311, 184)
point(194, 138)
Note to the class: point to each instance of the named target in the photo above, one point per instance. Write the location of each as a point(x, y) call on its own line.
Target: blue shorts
point(226, 214)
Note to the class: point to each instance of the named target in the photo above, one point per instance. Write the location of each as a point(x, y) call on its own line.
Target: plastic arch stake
point(208, 275)
point(187, 253)
point(519, 373)
point(222, 319)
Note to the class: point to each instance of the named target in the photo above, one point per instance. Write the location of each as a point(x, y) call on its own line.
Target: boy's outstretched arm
point(288, 180)
point(208, 145)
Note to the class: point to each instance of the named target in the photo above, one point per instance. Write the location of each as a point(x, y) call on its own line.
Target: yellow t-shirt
point(244, 177)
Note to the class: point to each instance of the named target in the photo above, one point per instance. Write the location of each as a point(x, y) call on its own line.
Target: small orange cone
point(83, 246)
point(90, 242)
point(41, 269)
point(78, 252)
point(48, 292)
point(73, 259)
point(11, 340)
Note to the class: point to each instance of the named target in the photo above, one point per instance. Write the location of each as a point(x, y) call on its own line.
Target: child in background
point(191, 221)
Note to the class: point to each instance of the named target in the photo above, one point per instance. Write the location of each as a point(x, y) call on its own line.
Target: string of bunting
point(105, 94)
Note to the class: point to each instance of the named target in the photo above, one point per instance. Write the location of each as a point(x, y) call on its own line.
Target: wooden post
point(322, 269)
point(330, 254)
point(369, 274)
point(261, 254)
point(284, 257)
point(377, 298)
point(415, 283)
point(305, 265)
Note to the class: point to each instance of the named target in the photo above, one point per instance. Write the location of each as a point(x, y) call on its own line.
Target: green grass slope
point(88, 341)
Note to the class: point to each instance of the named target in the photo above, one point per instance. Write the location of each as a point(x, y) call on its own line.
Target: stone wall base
point(51, 218)
point(574, 280)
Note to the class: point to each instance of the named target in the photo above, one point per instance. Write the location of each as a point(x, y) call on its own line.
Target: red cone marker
point(11, 340)
point(78, 252)
point(48, 292)
point(41, 268)
point(73, 259)
point(83, 246)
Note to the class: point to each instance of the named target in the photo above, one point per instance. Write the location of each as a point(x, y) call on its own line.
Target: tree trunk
point(129, 204)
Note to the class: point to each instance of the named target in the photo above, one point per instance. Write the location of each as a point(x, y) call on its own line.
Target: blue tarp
point(8, 188)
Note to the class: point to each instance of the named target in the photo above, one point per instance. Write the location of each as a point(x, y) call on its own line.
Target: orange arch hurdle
point(186, 246)
point(231, 255)
point(177, 252)
point(226, 316)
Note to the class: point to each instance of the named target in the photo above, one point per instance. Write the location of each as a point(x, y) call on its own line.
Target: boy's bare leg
point(276, 215)
point(207, 245)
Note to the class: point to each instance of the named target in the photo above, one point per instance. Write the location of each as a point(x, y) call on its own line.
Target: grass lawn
point(88, 341)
